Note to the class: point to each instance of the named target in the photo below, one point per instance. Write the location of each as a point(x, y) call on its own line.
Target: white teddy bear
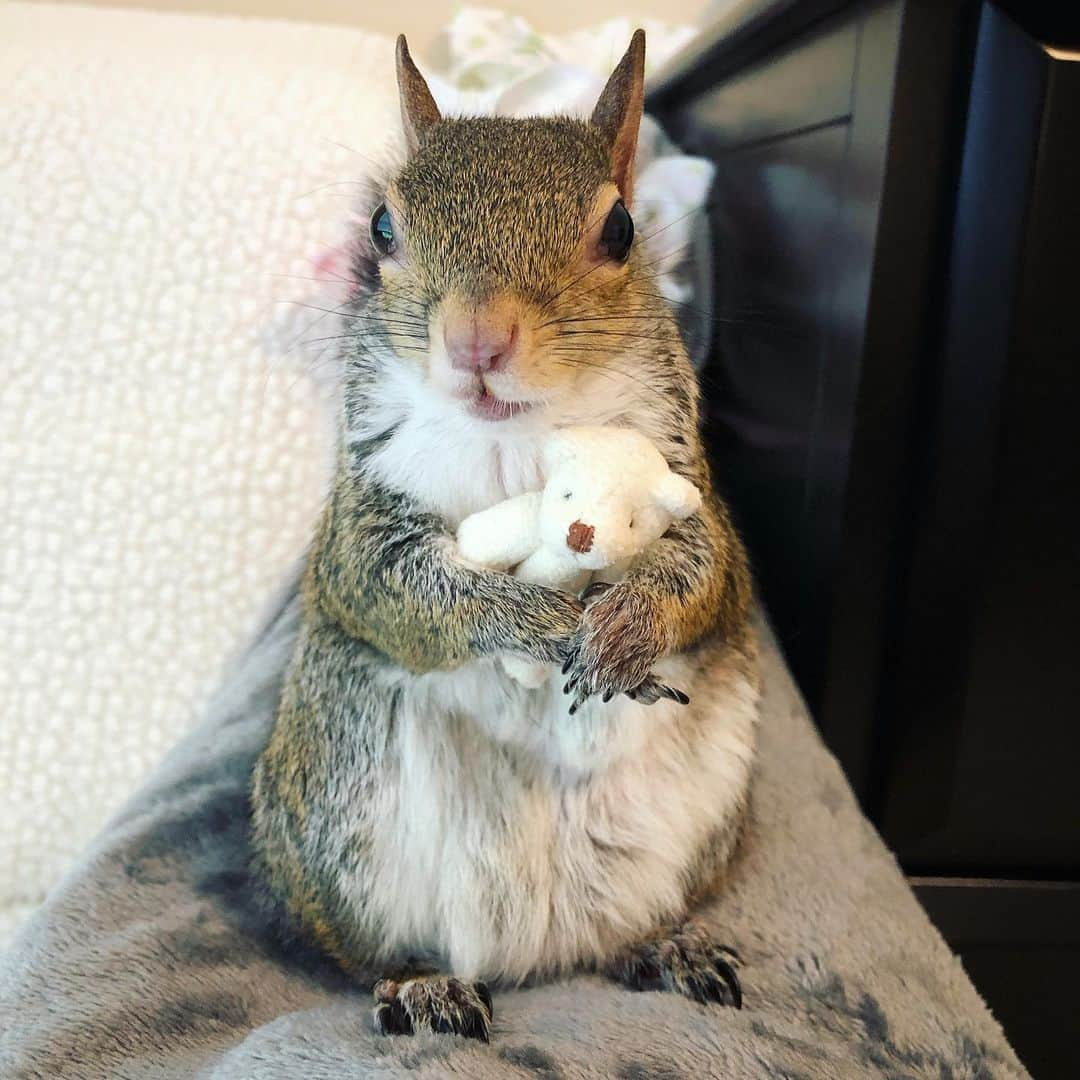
point(609, 493)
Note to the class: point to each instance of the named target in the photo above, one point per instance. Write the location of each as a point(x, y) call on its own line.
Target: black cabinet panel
point(980, 751)
point(958, 444)
point(892, 405)
point(792, 96)
point(782, 378)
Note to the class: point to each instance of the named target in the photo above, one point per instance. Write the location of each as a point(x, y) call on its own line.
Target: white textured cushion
point(158, 468)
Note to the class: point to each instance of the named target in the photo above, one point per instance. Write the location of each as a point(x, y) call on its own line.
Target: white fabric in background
point(158, 469)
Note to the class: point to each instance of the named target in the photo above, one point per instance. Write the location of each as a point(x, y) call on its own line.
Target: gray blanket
point(149, 960)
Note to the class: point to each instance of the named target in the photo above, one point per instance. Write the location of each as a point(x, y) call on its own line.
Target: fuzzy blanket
point(148, 960)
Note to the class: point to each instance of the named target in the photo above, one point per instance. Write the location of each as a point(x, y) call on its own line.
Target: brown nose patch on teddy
point(579, 537)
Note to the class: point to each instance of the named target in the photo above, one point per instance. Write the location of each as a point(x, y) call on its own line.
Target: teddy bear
point(608, 495)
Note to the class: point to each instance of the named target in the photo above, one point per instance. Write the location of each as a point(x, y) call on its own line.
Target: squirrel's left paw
point(620, 637)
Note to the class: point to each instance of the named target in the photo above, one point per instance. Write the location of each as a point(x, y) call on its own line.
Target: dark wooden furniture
point(894, 411)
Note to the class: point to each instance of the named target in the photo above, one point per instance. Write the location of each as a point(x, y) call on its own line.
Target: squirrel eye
point(617, 234)
point(382, 230)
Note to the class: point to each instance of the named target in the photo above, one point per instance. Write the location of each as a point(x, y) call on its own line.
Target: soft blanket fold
point(149, 959)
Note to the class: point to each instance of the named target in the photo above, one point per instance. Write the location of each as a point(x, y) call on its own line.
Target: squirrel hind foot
point(685, 961)
point(440, 1004)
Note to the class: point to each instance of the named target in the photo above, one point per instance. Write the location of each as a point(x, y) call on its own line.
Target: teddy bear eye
point(568, 494)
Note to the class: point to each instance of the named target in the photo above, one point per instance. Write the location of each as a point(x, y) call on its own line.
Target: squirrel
point(416, 814)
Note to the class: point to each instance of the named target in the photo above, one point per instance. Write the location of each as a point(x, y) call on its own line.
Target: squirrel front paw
point(620, 637)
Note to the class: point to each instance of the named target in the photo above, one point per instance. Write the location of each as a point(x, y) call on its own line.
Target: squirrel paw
point(687, 961)
point(434, 1003)
point(617, 643)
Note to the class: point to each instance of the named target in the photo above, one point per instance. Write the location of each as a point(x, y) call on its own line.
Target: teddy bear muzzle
point(579, 537)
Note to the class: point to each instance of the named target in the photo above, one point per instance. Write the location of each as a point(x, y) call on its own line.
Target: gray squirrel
point(418, 815)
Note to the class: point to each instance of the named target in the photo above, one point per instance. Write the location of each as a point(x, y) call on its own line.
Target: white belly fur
point(524, 840)
point(519, 839)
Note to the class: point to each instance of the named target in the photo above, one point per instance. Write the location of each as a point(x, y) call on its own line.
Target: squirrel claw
point(650, 692)
point(673, 694)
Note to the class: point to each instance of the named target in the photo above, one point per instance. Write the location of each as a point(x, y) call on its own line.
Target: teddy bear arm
point(504, 534)
point(547, 567)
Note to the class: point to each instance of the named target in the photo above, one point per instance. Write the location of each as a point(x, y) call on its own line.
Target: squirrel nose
point(480, 341)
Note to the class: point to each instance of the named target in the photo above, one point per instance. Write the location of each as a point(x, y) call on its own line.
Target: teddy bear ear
point(677, 496)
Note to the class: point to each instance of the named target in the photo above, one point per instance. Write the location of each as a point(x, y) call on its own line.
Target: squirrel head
point(505, 246)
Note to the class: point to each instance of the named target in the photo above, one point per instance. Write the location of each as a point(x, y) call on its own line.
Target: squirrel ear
point(678, 496)
point(618, 113)
point(418, 109)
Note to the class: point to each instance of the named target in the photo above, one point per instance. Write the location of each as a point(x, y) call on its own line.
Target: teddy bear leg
point(529, 674)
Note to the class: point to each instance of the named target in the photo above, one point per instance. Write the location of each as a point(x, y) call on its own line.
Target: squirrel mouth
point(489, 407)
